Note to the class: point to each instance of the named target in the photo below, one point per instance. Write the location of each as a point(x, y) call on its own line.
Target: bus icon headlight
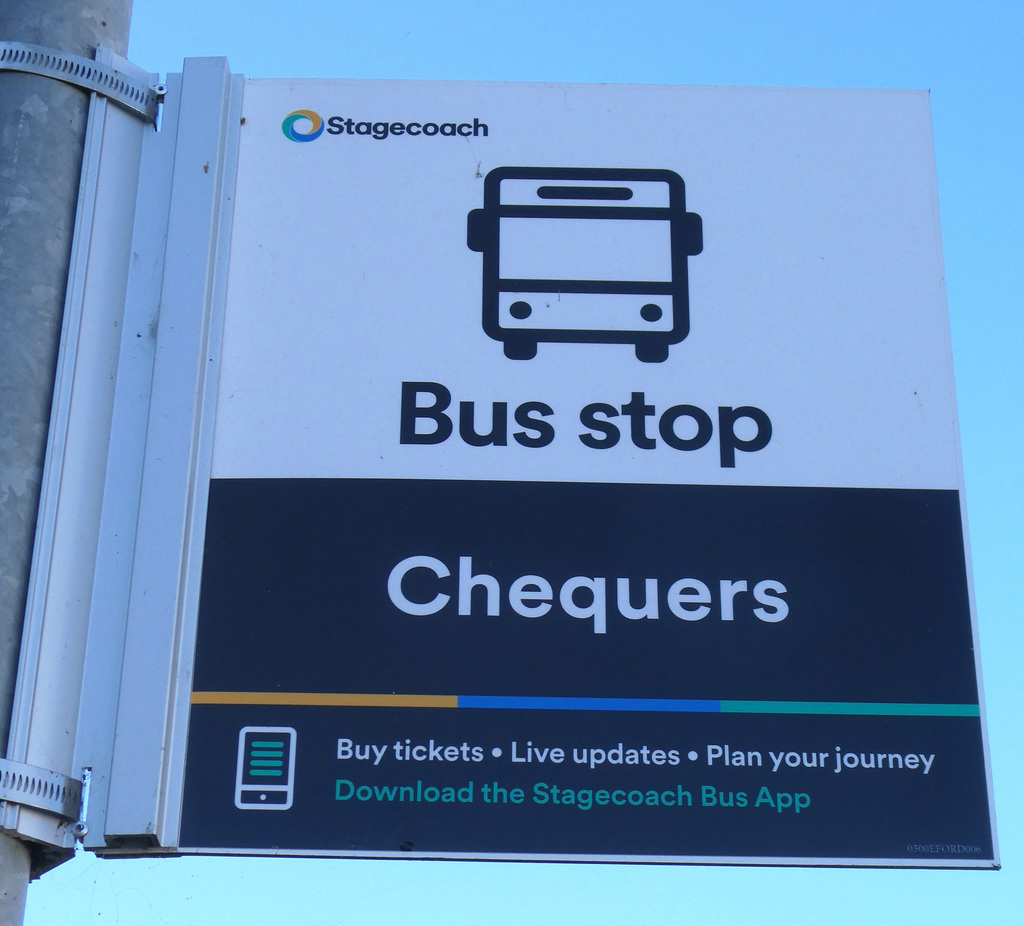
point(587, 255)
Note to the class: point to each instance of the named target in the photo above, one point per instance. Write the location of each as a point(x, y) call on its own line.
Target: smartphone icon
point(588, 255)
point(265, 773)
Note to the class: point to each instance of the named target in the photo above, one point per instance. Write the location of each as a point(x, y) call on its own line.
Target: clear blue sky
point(968, 56)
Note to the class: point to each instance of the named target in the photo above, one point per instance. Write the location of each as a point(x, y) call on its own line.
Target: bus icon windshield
point(588, 255)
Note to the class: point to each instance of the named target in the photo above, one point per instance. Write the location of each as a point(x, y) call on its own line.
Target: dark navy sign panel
point(807, 691)
point(295, 591)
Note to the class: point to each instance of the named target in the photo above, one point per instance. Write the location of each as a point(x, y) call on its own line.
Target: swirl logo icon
point(292, 132)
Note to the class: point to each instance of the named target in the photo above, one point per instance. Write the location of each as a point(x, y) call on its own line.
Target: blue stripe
point(591, 704)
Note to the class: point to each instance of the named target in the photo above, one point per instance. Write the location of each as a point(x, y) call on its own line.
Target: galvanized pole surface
point(42, 129)
point(14, 872)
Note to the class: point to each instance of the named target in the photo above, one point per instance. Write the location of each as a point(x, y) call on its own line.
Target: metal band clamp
point(40, 789)
point(83, 72)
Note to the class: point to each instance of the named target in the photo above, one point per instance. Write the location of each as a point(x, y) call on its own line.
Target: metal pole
point(14, 873)
point(42, 130)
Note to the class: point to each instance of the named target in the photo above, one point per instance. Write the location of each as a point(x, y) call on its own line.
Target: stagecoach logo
point(307, 125)
point(302, 125)
point(587, 255)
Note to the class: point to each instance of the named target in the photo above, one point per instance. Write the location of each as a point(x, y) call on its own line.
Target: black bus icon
point(590, 255)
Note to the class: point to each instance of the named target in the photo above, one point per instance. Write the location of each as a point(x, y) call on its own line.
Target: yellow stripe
point(303, 699)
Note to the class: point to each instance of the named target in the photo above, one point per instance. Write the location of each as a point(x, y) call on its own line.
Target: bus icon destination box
point(498, 550)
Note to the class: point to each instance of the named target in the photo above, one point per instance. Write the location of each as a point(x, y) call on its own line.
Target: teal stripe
point(276, 773)
point(850, 707)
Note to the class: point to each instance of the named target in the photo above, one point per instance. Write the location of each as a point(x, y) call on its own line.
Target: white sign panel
point(818, 295)
point(586, 483)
